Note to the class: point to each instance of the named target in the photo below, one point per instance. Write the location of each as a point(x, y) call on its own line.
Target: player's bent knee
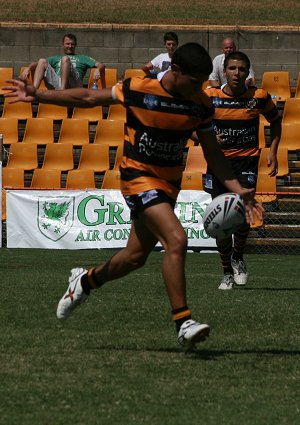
point(177, 243)
point(43, 62)
point(65, 59)
point(137, 260)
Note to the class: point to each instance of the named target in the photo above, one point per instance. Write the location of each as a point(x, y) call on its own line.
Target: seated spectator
point(162, 62)
point(217, 77)
point(65, 70)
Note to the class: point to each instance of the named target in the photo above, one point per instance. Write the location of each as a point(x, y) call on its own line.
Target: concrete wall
point(130, 46)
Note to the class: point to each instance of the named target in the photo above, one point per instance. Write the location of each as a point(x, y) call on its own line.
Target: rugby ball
point(223, 215)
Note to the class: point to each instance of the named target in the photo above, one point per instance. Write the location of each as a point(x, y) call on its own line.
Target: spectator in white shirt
point(217, 77)
point(162, 62)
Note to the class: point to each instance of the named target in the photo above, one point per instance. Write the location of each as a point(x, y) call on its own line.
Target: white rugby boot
point(74, 295)
point(227, 282)
point(191, 333)
point(240, 273)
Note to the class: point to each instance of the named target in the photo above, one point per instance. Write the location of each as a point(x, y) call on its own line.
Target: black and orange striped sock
point(240, 239)
point(180, 315)
point(89, 281)
point(225, 252)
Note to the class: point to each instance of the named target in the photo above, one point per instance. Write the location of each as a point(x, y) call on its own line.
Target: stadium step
point(281, 230)
point(289, 204)
point(273, 246)
point(284, 231)
point(289, 188)
point(294, 166)
point(282, 217)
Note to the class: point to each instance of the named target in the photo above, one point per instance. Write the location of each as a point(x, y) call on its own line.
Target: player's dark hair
point(192, 59)
point(71, 36)
point(240, 56)
point(171, 36)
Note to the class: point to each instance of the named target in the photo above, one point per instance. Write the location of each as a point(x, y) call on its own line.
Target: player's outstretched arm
point(19, 91)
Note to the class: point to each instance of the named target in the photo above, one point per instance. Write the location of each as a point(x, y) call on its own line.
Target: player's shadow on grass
point(268, 289)
point(216, 354)
point(200, 353)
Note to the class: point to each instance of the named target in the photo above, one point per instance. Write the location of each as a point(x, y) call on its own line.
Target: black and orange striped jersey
point(158, 126)
point(237, 118)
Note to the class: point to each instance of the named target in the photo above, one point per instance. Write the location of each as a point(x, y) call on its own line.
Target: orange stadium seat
point(12, 178)
point(6, 73)
point(118, 157)
point(111, 180)
point(291, 111)
point(265, 188)
point(29, 79)
point(19, 110)
point(195, 160)
point(277, 83)
point(261, 132)
point(282, 157)
point(134, 72)
point(297, 91)
point(101, 84)
point(58, 156)
point(46, 179)
point(80, 179)
point(111, 76)
point(192, 180)
point(94, 157)
point(39, 131)
point(23, 155)
point(290, 136)
point(111, 132)
point(74, 131)
point(54, 112)
point(195, 167)
point(116, 112)
point(9, 130)
point(91, 114)
point(91, 80)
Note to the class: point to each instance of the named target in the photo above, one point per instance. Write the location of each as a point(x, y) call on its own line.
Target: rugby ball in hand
point(223, 215)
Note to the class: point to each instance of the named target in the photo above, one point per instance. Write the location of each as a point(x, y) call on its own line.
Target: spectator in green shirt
point(64, 71)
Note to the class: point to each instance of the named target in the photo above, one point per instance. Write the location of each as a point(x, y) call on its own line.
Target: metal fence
point(279, 233)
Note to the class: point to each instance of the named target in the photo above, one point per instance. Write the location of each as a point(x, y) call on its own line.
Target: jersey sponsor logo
point(151, 101)
point(237, 137)
point(251, 103)
point(148, 196)
point(251, 178)
point(217, 102)
point(160, 149)
point(240, 103)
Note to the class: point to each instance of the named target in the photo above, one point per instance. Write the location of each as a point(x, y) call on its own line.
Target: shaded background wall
point(130, 46)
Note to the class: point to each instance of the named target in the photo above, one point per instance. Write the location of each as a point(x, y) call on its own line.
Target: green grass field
point(188, 12)
point(116, 360)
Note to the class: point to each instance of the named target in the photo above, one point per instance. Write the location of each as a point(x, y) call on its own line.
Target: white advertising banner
point(91, 219)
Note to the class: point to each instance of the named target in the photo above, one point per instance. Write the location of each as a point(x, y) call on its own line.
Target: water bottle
point(95, 86)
